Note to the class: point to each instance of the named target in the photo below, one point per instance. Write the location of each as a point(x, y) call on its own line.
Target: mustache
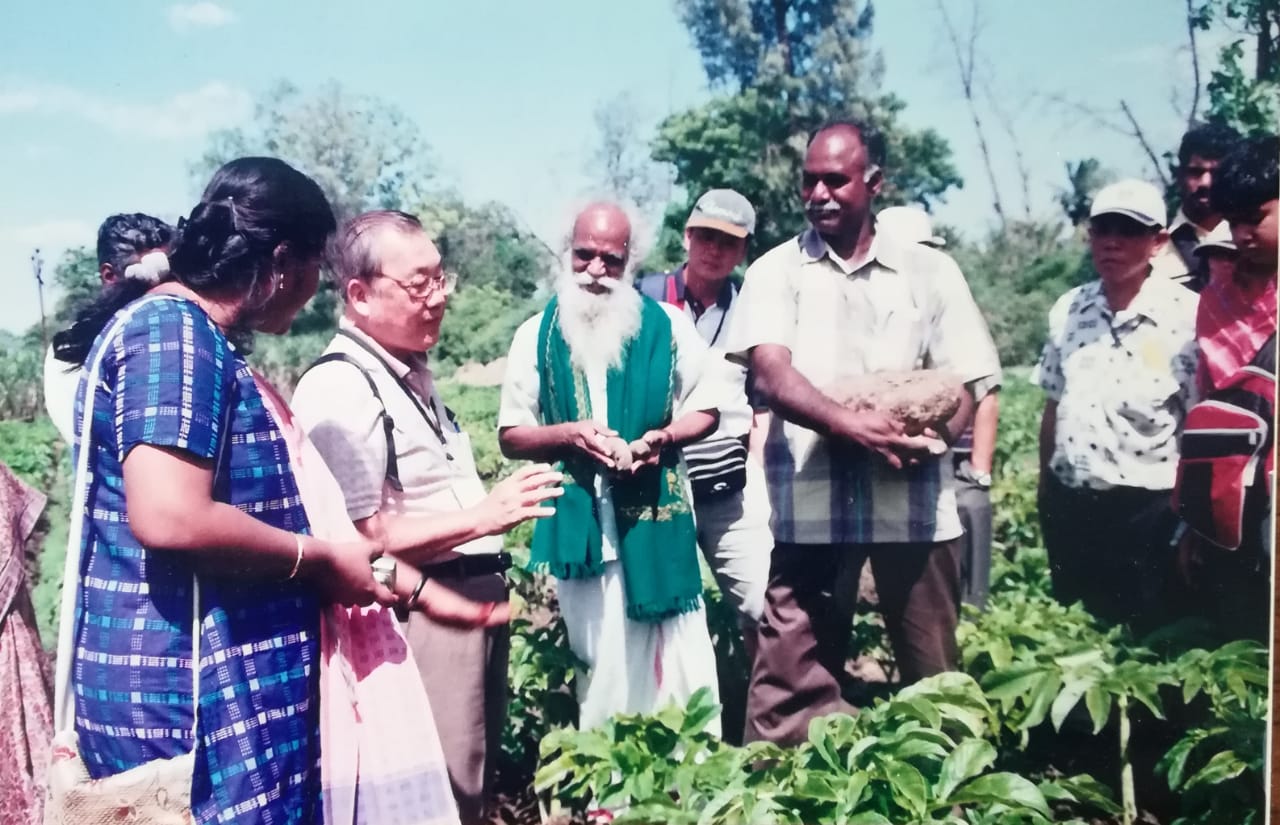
point(821, 208)
point(583, 279)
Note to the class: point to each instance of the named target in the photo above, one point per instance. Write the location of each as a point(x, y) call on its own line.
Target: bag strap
point(64, 717)
point(388, 423)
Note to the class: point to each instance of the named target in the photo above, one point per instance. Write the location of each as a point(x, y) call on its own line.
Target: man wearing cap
point(1201, 150)
point(730, 500)
point(838, 301)
point(973, 452)
point(1118, 371)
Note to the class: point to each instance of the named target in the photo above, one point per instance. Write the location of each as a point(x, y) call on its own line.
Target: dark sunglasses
point(1119, 225)
point(831, 180)
point(586, 256)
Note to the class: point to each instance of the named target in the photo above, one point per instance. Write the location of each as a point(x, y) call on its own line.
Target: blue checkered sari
point(173, 380)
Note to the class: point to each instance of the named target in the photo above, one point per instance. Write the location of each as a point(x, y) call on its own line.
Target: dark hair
point(122, 238)
point(250, 207)
point(871, 137)
point(1247, 177)
point(1211, 141)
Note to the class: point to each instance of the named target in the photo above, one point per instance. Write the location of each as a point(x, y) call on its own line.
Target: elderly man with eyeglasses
point(611, 384)
point(372, 408)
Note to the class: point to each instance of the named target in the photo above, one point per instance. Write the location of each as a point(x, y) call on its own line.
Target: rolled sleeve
point(174, 377)
point(766, 308)
point(343, 419)
point(518, 405)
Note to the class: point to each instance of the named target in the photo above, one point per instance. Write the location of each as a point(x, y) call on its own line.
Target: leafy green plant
point(922, 757)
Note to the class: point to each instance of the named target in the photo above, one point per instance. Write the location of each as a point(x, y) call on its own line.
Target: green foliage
point(920, 757)
point(78, 282)
point(479, 325)
point(1016, 274)
point(786, 68)
point(1015, 517)
point(21, 381)
point(1084, 179)
point(485, 244)
point(283, 358)
point(1238, 96)
point(364, 153)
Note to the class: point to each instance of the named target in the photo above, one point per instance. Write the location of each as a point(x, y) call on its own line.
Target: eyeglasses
point(1120, 226)
point(420, 288)
point(587, 255)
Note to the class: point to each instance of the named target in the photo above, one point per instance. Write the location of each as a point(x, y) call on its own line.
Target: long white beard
point(596, 327)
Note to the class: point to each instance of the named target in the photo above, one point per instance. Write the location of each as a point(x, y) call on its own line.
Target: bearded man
point(607, 382)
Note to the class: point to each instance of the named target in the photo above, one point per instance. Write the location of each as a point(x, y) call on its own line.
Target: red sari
point(26, 694)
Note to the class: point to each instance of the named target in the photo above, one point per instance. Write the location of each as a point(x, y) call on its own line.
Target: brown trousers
point(805, 631)
point(465, 673)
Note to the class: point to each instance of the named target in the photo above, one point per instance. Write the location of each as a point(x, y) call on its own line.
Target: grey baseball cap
point(725, 211)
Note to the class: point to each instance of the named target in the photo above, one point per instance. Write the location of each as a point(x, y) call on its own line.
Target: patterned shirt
point(171, 379)
point(1123, 382)
point(906, 307)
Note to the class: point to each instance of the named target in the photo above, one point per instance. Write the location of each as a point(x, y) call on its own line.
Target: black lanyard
point(433, 421)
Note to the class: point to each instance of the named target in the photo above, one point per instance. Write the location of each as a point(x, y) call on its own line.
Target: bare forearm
point(693, 426)
point(547, 442)
point(985, 420)
point(791, 396)
point(417, 540)
point(221, 539)
point(960, 420)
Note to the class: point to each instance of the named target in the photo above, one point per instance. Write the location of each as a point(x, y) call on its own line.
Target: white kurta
point(632, 667)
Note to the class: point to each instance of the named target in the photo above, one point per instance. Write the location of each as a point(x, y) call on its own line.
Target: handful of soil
point(920, 399)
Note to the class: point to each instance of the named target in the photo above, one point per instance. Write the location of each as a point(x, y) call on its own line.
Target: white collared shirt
point(906, 307)
point(1123, 382)
point(339, 412)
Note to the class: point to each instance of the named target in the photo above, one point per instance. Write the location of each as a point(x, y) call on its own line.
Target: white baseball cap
point(909, 225)
point(1219, 240)
point(1132, 198)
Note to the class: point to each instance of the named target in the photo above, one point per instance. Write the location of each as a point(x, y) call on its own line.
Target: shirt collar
point(884, 251)
point(1180, 219)
point(723, 299)
point(401, 369)
point(1149, 303)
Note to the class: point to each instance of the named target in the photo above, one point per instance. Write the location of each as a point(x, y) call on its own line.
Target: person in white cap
point(1218, 252)
point(730, 500)
point(973, 452)
point(1118, 371)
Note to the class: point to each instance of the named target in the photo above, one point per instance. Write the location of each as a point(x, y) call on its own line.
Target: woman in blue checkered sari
point(190, 482)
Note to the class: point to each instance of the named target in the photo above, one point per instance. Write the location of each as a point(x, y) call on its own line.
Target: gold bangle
point(297, 563)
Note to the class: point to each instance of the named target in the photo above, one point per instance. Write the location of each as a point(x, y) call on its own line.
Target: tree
point(785, 67)
point(364, 153)
point(620, 161)
point(1084, 179)
point(486, 245)
point(1242, 98)
point(76, 277)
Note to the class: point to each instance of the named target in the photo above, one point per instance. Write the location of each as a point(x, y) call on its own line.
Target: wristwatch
point(967, 472)
point(982, 479)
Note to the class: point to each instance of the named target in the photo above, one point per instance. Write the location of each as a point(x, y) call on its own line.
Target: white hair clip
point(151, 268)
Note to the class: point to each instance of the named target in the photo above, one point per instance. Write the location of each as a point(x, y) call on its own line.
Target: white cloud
point(186, 114)
point(201, 15)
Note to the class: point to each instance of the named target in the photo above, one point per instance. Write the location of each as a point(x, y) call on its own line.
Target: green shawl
point(656, 534)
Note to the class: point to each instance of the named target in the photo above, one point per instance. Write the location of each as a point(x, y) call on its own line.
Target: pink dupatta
point(380, 755)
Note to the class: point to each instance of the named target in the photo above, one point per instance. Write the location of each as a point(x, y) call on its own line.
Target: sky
point(104, 106)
